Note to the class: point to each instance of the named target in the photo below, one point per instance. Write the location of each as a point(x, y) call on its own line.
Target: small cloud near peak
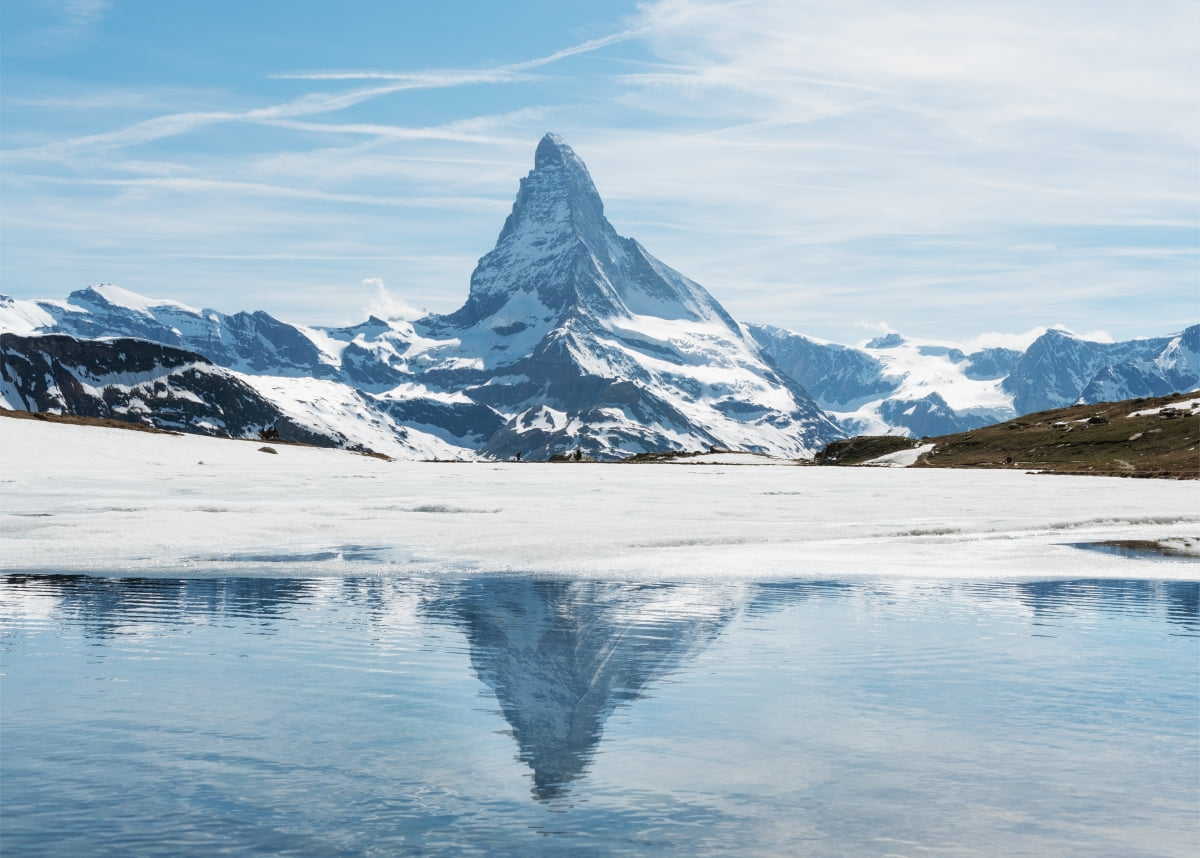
point(384, 305)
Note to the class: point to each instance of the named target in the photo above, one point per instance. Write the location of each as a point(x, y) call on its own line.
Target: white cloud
point(457, 77)
point(877, 328)
point(75, 22)
point(234, 188)
point(952, 167)
point(384, 305)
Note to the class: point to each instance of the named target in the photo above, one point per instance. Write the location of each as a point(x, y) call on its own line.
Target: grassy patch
point(1084, 439)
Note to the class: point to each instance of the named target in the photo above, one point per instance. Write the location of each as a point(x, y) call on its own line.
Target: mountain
point(573, 337)
point(584, 340)
point(894, 385)
point(248, 342)
point(1059, 370)
point(141, 382)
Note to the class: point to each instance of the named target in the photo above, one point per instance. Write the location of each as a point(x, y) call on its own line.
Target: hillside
point(1156, 437)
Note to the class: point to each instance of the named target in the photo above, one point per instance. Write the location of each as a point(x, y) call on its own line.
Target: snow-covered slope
point(140, 382)
point(168, 388)
point(896, 385)
point(357, 419)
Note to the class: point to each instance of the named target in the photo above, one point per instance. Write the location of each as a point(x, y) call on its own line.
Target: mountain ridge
point(573, 337)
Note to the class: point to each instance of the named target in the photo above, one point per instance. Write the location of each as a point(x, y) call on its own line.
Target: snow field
point(901, 458)
point(109, 501)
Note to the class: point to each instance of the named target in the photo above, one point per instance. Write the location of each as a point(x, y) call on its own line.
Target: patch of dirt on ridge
point(112, 423)
point(661, 456)
point(106, 422)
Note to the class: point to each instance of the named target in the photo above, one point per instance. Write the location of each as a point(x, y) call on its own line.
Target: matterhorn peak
point(558, 250)
point(557, 196)
point(553, 151)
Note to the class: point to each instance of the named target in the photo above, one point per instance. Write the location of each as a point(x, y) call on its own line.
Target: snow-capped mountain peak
point(558, 257)
point(557, 195)
point(109, 297)
point(567, 317)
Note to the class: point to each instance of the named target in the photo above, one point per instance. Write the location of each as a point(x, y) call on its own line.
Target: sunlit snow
point(1185, 405)
point(901, 458)
point(77, 499)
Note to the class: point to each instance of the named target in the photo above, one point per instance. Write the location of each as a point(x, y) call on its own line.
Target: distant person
point(517, 458)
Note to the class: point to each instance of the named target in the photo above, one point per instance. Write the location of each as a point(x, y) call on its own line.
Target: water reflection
point(562, 655)
point(108, 607)
point(559, 655)
point(343, 716)
point(1179, 601)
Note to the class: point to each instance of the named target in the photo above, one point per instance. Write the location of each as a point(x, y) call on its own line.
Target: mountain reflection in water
point(561, 655)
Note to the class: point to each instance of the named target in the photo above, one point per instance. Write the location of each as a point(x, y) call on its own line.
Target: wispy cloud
point(499, 74)
point(175, 124)
point(74, 22)
point(310, 104)
point(228, 188)
point(827, 141)
point(477, 129)
point(1011, 162)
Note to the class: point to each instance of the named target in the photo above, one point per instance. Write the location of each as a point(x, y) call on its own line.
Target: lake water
point(505, 715)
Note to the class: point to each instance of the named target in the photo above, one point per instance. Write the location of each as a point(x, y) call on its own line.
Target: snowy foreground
point(81, 499)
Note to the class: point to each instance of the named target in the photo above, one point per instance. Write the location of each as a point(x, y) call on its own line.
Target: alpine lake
point(514, 715)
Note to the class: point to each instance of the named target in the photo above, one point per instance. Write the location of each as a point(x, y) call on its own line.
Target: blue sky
point(940, 168)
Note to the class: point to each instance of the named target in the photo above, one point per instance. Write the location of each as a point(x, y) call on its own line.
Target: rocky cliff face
point(139, 382)
point(1060, 370)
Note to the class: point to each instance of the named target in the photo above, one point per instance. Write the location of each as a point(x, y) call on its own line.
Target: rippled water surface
point(528, 716)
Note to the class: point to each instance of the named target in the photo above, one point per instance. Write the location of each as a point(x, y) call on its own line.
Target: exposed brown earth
point(106, 422)
point(1100, 439)
point(1086, 439)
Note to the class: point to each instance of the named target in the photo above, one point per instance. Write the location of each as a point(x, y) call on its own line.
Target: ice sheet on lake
point(76, 499)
